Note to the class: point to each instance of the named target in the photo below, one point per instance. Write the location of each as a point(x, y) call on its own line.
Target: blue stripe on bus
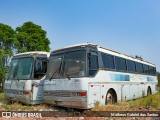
point(119, 77)
point(150, 79)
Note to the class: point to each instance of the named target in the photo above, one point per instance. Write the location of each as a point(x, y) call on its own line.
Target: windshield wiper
point(56, 71)
point(65, 72)
point(67, 75)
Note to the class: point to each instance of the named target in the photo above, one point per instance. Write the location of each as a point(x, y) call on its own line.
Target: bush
point(1, 90)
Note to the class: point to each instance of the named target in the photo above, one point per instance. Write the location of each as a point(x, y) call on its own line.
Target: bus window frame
point(108, 55)
point(88, 62)
point(120, 58)
point(44, 60)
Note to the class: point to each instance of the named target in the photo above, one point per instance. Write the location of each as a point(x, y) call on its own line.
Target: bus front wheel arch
point(111, 97)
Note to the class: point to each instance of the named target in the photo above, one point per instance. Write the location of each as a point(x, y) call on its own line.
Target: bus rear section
point(25, 78)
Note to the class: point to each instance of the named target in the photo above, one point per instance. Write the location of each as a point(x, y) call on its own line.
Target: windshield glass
point(74, 64)
point(20, 68)
point(54, 66)
point(71, 65)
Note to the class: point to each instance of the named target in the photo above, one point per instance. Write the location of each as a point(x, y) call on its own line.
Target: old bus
point(82, 76)
point(25, 78)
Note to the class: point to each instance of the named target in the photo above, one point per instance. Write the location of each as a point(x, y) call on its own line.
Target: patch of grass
point(1, 90)
point(20, 107)
point(2, 98)
point(1, 95)
point(112, 107)
point(6, 105)
point(150, 102)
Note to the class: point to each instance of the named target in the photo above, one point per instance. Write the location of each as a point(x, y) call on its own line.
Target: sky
point(131, 27)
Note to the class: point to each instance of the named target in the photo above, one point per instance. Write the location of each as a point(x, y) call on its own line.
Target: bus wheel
point(149, 92)
point(111, 97)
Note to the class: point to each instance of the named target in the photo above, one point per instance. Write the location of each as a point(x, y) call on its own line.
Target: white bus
point(25, 78)
point(83, 76)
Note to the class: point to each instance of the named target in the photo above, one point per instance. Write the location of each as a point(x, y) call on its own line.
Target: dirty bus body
point(25, 78)
point(87, 75)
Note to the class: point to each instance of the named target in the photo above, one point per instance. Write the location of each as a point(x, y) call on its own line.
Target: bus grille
point(11, 91)
point(58, 93)
point(66, 93)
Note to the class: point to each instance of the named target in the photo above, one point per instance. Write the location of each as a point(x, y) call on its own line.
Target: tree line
point(25, 38)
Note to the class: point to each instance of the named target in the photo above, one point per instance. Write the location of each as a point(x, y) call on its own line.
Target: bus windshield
point(70, 64)
point(20, 68)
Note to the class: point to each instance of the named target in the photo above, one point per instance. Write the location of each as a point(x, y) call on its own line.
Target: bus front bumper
point(80, 103)
point(26, 99)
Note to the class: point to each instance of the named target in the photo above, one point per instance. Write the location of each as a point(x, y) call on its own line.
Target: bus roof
point(115, 53)
point(32, 53)
point(75, 46)
point(106, 50)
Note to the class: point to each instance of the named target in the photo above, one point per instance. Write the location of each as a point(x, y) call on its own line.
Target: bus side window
point(131, 66)
point(146, 69)
point(120, 64)
point(152, 70)
point(108, 61)
point(139, 67)
point(93, 63)
point(40, 68)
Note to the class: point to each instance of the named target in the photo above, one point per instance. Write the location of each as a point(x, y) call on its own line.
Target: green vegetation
point(1, 90)
point(28, 37)
point(150, 102)
point(31, 37)
point(7, 40)
point(1, 95)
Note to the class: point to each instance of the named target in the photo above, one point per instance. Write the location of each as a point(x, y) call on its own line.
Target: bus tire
point(149, 91)
point(111, 97)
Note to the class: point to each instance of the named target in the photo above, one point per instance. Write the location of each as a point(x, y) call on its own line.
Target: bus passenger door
point(40, 68)
point(37, 91)
point(94, 95)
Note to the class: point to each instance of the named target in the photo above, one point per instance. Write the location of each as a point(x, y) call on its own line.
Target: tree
point(31, 37)
point(7, 41)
